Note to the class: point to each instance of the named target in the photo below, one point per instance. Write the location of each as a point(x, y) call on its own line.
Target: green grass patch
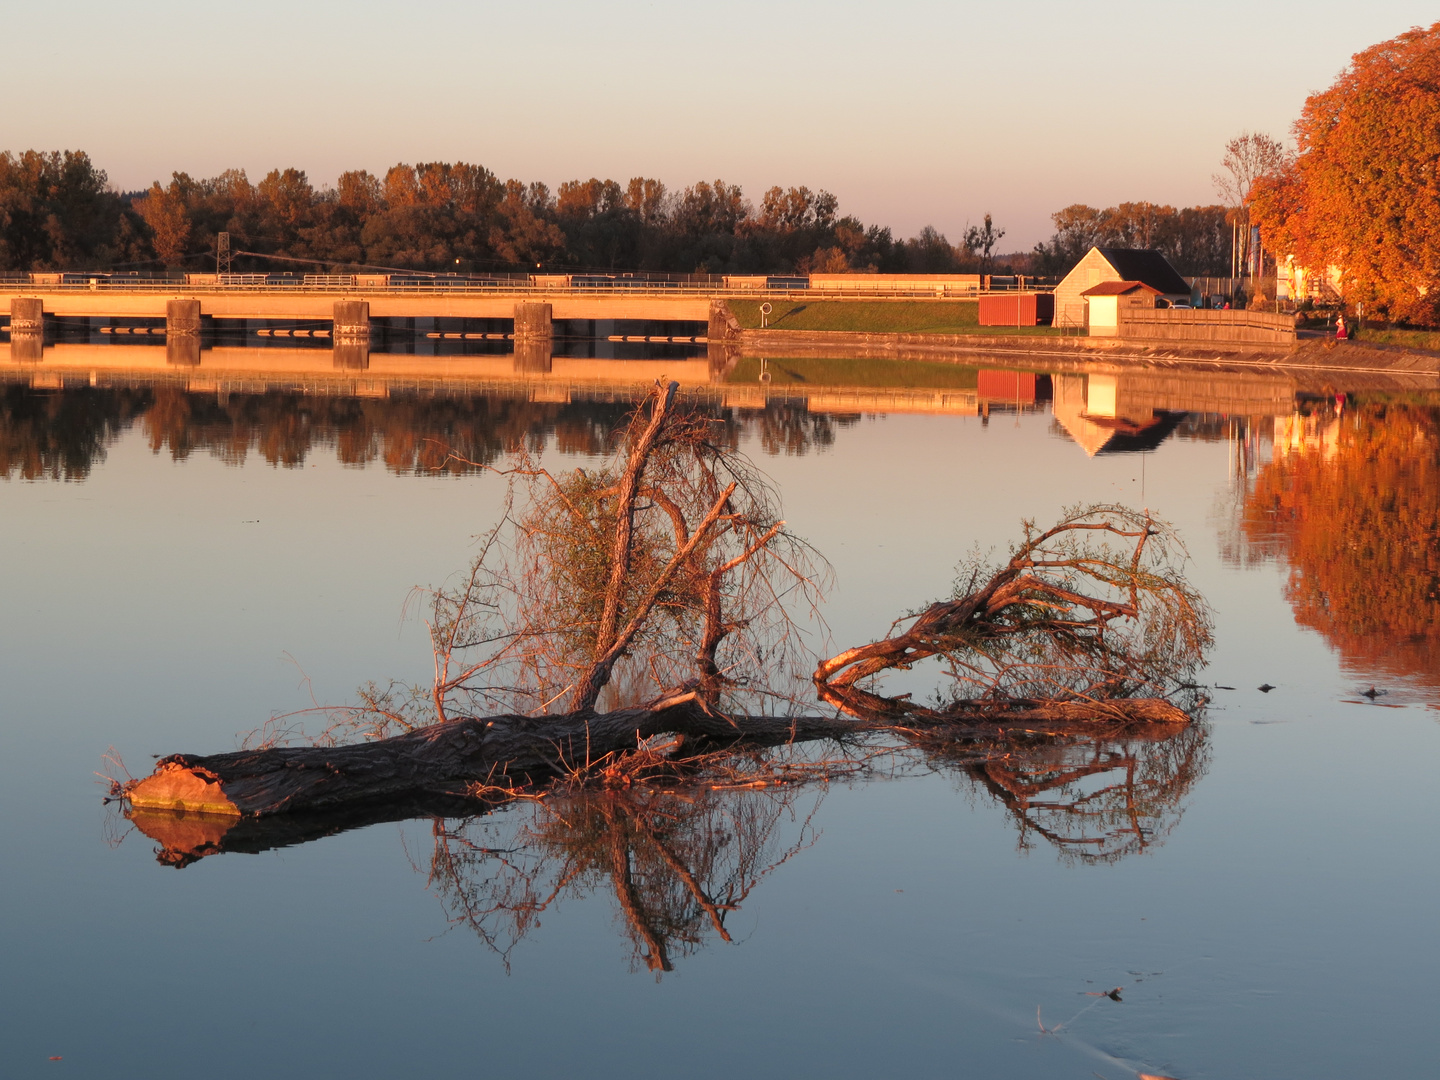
point(876, 317)
point(1403, 336)
point(872, 316)
point(857, 372)
point(1425, 340)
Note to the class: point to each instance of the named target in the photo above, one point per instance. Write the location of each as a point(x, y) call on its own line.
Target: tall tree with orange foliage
point(1363, 193)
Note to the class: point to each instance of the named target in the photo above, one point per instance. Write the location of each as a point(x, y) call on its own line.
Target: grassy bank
point(857, 372)
point(1404, 337)
point(876, 317)
point(1425, 340)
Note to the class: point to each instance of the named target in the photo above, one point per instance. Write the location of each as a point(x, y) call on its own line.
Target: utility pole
point(222, 253)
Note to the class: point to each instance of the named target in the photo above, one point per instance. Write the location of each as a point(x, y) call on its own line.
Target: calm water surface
point(178, 565)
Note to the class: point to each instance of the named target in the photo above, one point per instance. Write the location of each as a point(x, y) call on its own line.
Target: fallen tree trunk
point(506, 751)
point(514, 752)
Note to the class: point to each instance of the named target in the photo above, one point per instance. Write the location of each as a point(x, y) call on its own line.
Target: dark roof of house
point(1148, 266)
point(1119, 288)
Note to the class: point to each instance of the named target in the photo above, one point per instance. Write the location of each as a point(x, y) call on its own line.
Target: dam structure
point(353, 315)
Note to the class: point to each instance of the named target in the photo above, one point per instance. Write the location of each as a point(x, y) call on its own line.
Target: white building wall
point(1104, 315)
point(1089, 271)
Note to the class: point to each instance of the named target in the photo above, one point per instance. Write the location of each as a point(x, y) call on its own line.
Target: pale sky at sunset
point(912, 112)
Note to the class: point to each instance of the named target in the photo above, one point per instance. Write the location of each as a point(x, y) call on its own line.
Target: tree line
point(1197, 240)
point(58, 211)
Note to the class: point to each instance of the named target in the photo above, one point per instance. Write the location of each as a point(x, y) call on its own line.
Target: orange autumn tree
point(1362, 193)
point(1359, 523)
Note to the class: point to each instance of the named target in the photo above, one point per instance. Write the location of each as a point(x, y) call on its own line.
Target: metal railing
point(586, 285)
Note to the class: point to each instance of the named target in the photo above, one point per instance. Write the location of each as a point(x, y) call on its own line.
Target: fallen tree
point(644, 620)
point(492, 756)
point(680, 862)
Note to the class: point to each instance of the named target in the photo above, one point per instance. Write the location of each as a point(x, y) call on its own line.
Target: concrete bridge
point(531, 314)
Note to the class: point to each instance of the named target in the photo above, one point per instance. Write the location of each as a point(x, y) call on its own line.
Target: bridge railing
point(756, 287)
point(503, 289)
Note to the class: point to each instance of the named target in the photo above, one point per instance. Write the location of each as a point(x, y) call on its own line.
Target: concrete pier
point(27, 315)
point(182, 318)
point(351, 322)
point(722, 324)
point(533, 322)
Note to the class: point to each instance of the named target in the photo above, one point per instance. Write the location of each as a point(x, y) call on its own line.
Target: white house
point(1104, 302)
point(1115, 264)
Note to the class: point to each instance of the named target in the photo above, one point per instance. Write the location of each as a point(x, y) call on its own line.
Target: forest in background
point(58, 211)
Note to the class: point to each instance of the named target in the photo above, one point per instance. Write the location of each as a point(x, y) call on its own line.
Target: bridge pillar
point(533, 322)
point(27, 329)
point(719, 328)
point(182, 318)
point(352, 324)
point(27, 315)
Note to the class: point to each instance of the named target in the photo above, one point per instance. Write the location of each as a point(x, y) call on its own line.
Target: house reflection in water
point(1126, 411)
point(1088, 409)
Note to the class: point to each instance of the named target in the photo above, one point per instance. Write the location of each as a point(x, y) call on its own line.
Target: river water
point(183, 559)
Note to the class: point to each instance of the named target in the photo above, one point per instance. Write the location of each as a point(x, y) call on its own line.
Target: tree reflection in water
point(1095, 799)
point(678, 862)
point(1351, 502)
point(63, 433)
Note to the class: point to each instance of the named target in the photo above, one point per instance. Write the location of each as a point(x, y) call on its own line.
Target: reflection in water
point(409, 434)
point(62, 433)
point(1094, 799)
point(678, 862)
point(1351, 501)
point(1090, 410)
point(61, 436)
point(408, 414)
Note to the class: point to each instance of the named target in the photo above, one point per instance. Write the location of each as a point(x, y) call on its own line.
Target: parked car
point(1175, 304)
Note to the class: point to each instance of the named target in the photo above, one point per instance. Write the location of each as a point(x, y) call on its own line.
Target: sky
point(912, 112)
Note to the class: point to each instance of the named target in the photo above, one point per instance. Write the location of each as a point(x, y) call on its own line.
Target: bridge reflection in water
point(1105, 409)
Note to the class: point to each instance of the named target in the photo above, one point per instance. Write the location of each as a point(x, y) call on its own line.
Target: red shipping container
point(1013, 386)
point(1016, 309)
